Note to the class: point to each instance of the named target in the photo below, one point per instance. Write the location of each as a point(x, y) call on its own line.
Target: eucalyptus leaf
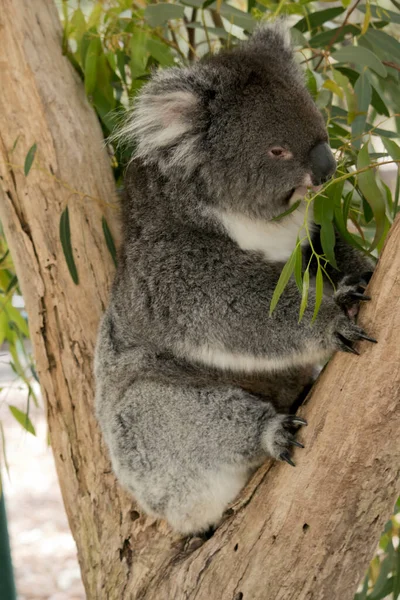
point(29, 159)
point(372, 193)
point(109, 240)
point(317, 18)
point(283, 281)
point(157, 14)
point(360, 56)
point(22, 418)
point(65, 237)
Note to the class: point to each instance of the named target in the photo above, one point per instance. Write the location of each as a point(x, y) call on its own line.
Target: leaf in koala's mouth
point(288, 211)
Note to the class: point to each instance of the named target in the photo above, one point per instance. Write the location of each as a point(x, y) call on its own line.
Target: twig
point(389, 63)
point(191, 35)
point(338, 32)
point(218, 22)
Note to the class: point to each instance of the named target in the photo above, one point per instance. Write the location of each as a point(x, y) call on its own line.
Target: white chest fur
point(276, 240)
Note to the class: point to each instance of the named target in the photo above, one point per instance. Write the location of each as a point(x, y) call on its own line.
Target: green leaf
point(318, 18)
point(288, 211)
point(282, 281)
point(22, 418)
point(363, 93)
point(15, 316)
point(95, 15)
point(157, 14)
point(65, 237)
point(304, 294)
point(372, 194)
point(161, 52)
point(29, 159)
point(376, 100)
point(382, 13)
point(319, 291)
point(109, 240)
point(324, 38)
point(392, 148)
point(360, 56)
point(311, 83)
point(384, 42)
point(323, 216)
point(92, 55)
point(237, 17)
point(77, 26)
point(298, 267)
point(139, 51)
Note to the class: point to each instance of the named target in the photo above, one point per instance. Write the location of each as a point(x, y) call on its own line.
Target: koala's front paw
point(279, 436)
point(350, 293)
point(346, 332)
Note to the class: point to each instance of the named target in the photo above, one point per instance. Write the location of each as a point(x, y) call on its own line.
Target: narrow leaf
point(282, 281)
point(363, 93)
point(319, 291)
point(22, 418)
point(109, 240)
point(372, 194)
point(360, 56)
point(298, 268)
point(29, 159)
point(92, 54)
point(157, 14)
point(65, 237)
point(304, 295)
point(318, 18)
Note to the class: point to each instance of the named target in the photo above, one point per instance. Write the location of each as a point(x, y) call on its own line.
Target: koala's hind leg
point(186, 452)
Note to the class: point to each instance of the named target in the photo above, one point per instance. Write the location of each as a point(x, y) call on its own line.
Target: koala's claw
point(346, 345)
point(286, 456)
point(366, 337)
point(279, 436)
point(296, 443)
point(359, 296)
point(356, 334)
point(294, 420)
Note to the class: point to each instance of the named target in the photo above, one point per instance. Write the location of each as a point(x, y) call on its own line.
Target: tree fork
point(294, 534)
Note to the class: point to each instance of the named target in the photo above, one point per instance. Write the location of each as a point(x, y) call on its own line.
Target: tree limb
point(294, 534)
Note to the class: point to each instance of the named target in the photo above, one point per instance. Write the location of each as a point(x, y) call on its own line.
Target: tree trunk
point(295, 534)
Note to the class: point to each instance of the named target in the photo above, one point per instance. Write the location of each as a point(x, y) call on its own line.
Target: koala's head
point(243, 121)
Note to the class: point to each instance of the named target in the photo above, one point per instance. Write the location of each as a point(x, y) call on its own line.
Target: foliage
point(351, 59)
point(15, 334)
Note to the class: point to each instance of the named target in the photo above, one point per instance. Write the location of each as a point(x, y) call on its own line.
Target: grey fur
point(194, 378)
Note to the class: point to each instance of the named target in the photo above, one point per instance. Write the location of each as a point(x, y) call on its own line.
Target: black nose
point(323, 164)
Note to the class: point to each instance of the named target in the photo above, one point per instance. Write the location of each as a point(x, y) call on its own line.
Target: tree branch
point(296, 534)
point(338, 32)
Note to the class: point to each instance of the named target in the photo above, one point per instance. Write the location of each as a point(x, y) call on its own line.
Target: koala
point(195, 381)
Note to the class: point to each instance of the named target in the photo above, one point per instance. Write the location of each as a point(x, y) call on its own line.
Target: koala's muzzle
point(323, 163)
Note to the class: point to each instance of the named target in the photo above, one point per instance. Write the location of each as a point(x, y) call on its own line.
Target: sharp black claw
point(366, 337)
point(346, 345)
point(358, 296)
point(296, 443)
point(285, 456)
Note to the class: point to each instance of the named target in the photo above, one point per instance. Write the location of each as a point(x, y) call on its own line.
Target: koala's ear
point(272, 39)
point(167, 114)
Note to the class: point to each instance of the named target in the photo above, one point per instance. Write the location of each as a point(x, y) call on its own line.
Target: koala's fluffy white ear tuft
point(163, 115)
point(272, 36)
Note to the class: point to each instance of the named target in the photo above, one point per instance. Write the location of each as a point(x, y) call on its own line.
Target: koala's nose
point(323, 163)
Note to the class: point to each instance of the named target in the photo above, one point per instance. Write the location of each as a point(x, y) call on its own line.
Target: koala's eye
point(278, 152)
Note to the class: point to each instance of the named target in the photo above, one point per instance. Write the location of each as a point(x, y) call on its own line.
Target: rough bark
point(295, 534)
